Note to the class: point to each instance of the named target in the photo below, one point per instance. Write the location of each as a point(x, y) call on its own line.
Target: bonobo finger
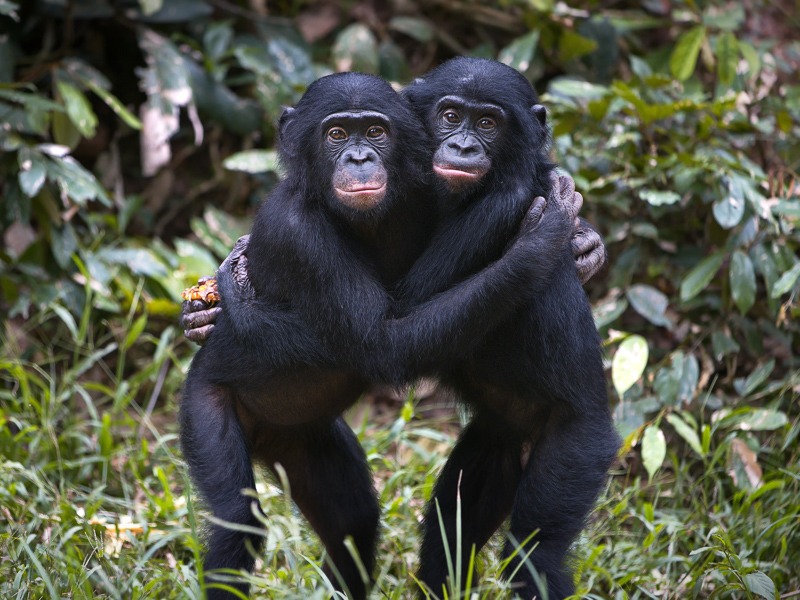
point(536, 211)
point(577, 204)
point(591, 262)
point(200, 318)
point(199, 335)
point(238, 250)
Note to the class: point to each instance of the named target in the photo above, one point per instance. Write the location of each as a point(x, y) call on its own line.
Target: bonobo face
point(466, 131)
point(358, 143)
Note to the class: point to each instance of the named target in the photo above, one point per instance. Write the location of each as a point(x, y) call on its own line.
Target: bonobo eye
point(451, 117)
point(487, 123)
point(375, 132)
point(337, 134)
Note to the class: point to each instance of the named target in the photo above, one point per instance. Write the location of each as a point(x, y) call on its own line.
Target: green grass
point(95, 497)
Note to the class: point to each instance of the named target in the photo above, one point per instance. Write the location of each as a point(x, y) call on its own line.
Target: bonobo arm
point(444, 329)
point(198, 319)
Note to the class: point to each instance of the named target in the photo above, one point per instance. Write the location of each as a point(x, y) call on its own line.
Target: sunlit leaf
point(686, 432)
point(78, 108)
point(519, 53)
point(659, 197)
point(786, 282)
point(654, 449)
point(252, 161)
point(761, 584)
point(629, 362)
point(356, 49)
point(684, 57)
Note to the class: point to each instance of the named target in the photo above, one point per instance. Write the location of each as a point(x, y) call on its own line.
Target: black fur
point(288, 357)
point(536, 385)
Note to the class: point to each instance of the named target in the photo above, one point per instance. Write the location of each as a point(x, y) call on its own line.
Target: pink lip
point(449, 173)
point(362, 189)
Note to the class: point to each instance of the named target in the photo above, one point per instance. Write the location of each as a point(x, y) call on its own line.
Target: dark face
point(466, 132)
point(358, 144)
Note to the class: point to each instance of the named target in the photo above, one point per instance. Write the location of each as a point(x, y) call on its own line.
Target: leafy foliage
point(138, 135)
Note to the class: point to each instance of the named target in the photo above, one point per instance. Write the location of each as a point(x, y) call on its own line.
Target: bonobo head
point(485, 120)
point(353, 143)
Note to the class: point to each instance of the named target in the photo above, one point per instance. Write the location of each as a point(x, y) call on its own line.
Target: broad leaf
point(629, 363)
point(78, 108)
point(519, 53)
point(727, 57)
point(786, 282)
point(650, 303)
point(684, 56)
point(654, 449)
point(698, 278)
point(686, 432)
point(743, 281)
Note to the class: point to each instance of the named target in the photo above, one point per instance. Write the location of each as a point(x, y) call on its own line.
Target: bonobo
point(535, 386)
point(317, 324)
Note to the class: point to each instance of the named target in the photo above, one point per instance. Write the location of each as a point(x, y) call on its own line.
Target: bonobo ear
point(540, 112)
point(285, 131)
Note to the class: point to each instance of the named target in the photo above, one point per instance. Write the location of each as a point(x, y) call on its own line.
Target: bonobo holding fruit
point(316, 324)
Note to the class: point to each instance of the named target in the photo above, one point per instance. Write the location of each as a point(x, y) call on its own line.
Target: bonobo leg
point(220, 467)
point(332, 484)
point(566, 470)
point(484, 470)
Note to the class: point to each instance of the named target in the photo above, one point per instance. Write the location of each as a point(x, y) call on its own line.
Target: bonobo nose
point(463, 147)
point(360, 156)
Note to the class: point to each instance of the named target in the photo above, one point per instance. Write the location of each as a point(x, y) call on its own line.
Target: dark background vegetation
point(136, 139)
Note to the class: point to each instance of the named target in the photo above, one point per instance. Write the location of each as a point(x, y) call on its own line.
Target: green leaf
point(572, 45)
point(757, 377)
point(760, 583)
point(727, 57)
point(654, 449)
point(519, 53)
point(659, 197)
point(75, 181)
point(135, 331)
point(684, 56)
point(32, 171)
point(743, 281)
point(78, 108)
point(252, 161)
point(575, 88)
point(686, 432)
point(762, 419)
point(356, 49)
point(650, 303)
point(722, 344)
point(698, 278)
point(629, 363)
point(728, 211)
point(786, 282)
point(67, 318)
point(415, 27)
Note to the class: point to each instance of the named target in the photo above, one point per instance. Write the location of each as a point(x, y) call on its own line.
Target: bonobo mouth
point(455, 176)
point(361, 196)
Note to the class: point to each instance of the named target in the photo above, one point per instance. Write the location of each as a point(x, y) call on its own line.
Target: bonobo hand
point(197, 317)
point(587, 245)
point(589, 251)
